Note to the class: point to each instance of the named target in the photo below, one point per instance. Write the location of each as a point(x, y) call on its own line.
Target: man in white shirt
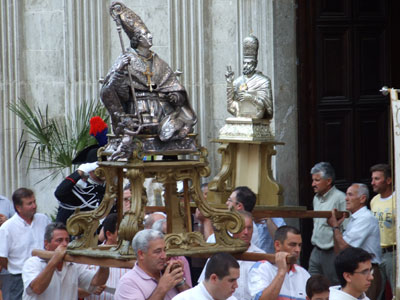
point(56, 279)
point(220, 282)
point(242, 292)
point(355, 273)
point(280, 280)
point(19, 235)
point(362, 231)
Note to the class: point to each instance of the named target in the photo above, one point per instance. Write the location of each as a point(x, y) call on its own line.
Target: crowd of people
point(352, 258)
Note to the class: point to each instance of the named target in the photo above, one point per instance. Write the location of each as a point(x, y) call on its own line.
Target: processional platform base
point(180, 240)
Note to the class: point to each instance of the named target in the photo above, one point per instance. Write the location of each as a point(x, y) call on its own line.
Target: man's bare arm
point(206, 224)
point(339, 242)
point(42, 281)
point(3, 263)
point(271, 292)
point(271, 226)
point(100, 277)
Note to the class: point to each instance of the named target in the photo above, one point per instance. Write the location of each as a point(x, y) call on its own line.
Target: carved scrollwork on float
point(184, 241)
point(223, 220)
point(193, 243)
point(84, 224)
point(227, 166)
point(203, 155)
point(132, 220)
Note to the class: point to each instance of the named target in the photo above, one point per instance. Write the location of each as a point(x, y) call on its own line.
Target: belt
point(389, 249)
point(329, 249)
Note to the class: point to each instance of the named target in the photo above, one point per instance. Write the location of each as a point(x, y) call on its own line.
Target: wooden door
point(345, 52)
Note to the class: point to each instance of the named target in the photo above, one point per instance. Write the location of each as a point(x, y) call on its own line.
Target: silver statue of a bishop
point(249, 99)
point(249, 95)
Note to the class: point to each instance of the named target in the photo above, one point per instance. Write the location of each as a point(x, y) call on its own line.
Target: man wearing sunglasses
point(355, 273)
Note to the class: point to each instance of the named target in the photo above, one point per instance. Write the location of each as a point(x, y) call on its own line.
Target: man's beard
point(248, 70)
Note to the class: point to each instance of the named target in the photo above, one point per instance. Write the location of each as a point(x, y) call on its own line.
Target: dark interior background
point(346, 51)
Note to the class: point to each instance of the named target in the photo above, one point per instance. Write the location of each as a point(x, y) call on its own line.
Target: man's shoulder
point(41, 216)
point(262, 266)
point(375, 199)
point(41, 219)
point(301, 271)
point(335, 194)
point(254, 249)
point(33, 262)
point(132, 277)
point(336, 293)
point(190, 293)
point(365, 216)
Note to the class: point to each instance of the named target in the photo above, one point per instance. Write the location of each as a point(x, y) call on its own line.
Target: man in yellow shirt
point(383, 205)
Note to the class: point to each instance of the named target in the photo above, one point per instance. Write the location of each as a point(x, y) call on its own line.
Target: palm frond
point(54, 142)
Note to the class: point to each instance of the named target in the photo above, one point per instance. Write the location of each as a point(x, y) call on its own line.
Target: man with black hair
point(317, 288)
point(243, 198)
point(55, 278)
point(355, 273)
point(242, 292)
point(19, 235)
point(126, 198)
point(280, 280)
point(222, 273)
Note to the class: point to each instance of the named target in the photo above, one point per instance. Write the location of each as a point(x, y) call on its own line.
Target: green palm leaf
point(54, 142)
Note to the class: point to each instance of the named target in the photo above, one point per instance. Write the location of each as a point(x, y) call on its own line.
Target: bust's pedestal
point(246, 129)
point(247, 147)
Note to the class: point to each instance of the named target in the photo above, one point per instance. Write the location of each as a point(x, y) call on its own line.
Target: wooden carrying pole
point(128, 264)
point(259, 214)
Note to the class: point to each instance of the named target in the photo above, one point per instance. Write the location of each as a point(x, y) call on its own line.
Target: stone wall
point(54, 52)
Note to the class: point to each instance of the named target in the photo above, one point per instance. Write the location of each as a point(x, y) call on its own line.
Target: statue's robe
point(165, 104)
point(259, 87)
